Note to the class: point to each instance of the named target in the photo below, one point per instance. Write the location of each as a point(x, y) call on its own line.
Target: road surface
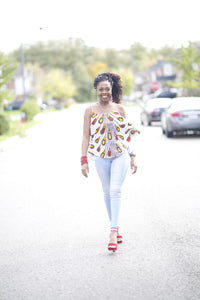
point(54, 228)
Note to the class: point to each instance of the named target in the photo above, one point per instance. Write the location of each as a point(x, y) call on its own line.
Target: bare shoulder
point(88, 111)
point(121, 109)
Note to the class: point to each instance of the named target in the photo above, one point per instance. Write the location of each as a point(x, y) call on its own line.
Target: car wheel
point(142, 123)
point(163, 131)
point(169, 133)
point(149, 123)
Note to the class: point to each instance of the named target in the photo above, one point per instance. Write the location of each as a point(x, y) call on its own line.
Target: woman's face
point(104, 91)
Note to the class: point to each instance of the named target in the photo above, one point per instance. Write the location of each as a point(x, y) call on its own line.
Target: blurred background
point(51, 51)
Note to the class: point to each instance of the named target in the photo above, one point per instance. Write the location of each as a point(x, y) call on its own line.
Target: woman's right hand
point(85, 170)
point(133, 165)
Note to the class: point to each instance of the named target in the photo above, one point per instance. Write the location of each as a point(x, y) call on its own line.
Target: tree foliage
point(83, 82)
point(137, 52)
point(187, 61)
point(127, 81)
point(96, 68)
point(7, 68)
point(83, 63)
point(58, 85)
point(61, 54)
point(30, 108)
point(166, 52)
point(4, 124)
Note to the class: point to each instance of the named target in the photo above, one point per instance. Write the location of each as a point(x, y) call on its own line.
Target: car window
point(185, 103)
point(159, 102)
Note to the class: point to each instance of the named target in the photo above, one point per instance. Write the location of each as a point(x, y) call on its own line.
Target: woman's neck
point(104, 104)
point(104, 107)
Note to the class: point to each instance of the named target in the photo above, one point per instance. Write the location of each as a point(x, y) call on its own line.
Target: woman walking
point(106, 134)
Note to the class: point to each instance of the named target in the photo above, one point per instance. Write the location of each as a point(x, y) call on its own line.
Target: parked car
point(44, 106)
point(15, 105)
point(164, 93)
point(182, 116)
point(167, 94)
point(153, 109)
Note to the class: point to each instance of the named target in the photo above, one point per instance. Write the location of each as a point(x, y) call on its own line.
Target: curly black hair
point(115, 81)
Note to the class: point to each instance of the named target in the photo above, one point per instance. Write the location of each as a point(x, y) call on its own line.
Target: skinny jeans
point(112, 172)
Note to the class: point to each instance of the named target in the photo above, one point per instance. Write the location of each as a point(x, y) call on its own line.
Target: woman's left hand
point(133, 165)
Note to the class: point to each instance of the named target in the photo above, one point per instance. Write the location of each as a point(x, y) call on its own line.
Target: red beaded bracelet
point(84, 160)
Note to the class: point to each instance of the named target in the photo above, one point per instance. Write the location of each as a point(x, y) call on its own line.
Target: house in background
point(16, 84)
point(156, 77)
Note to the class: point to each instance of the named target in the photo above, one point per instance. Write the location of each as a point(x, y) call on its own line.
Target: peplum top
point(110, 134)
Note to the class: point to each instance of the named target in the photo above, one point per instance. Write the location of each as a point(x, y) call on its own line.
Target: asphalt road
point(54, 228)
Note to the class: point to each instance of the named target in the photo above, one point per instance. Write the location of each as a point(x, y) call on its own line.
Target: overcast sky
point(103, 23)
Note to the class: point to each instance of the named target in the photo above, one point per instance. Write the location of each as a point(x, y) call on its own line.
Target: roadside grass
point(11, 112)
point(18, 128)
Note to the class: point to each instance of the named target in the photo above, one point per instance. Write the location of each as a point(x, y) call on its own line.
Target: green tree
point(58, 84)
point(137, 52)
point(96, 68)
point(30, 108)
point(71, 56)
point(187, 61)
point(84, 84)
point(4, 124)
point(112, 59)
point(166, 52)
point(61, 54)
point(127, 81)
point(7, 68)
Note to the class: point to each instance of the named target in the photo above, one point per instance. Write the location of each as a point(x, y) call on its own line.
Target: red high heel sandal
point(119, 239)
point(112, 247)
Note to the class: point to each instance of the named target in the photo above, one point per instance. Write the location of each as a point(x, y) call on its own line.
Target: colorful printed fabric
point(109, 134)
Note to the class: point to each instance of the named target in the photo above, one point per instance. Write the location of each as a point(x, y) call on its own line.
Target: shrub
point(30, 108)
point(4, 124)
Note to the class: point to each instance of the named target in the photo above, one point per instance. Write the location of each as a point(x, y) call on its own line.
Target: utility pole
point(22, 73)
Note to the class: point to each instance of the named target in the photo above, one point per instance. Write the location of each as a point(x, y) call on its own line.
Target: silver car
point(182, 116)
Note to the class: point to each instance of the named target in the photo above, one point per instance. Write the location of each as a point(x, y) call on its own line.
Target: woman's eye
point(107, 90)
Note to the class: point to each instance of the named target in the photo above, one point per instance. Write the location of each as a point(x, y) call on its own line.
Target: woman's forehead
point(105, 83)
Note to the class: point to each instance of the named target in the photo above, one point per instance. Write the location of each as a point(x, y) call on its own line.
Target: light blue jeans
point(112, 172)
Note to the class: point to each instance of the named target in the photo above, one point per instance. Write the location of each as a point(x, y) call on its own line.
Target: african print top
point(109, 134)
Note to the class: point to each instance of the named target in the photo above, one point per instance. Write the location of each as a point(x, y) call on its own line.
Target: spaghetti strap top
point(110, 134)
point(92, 109)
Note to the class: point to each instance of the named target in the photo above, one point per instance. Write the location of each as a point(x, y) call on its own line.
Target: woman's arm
point(85, 140)
point(130, 150)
